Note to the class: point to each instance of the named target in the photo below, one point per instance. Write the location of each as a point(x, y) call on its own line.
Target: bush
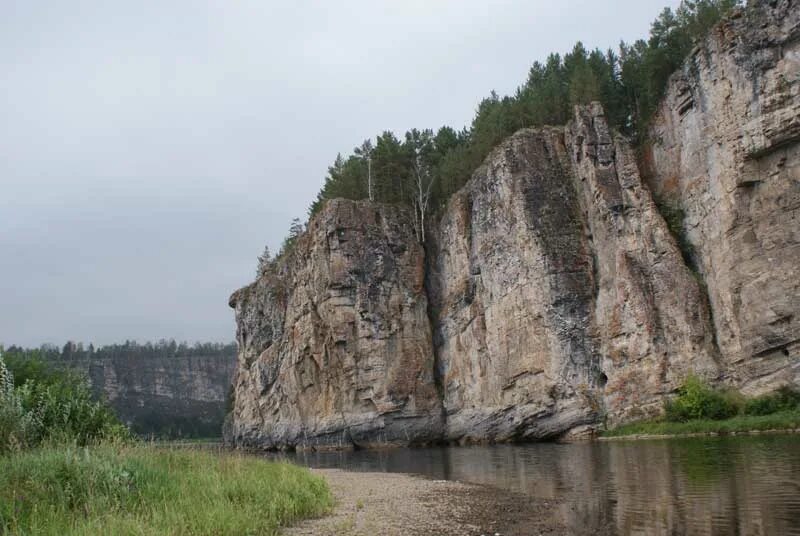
point(699, 408)
point(697, 400)
point(52, 409)
point(784, 399)
point(20, 427)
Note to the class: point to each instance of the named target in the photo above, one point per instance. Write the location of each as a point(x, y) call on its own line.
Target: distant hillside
point(163, 389)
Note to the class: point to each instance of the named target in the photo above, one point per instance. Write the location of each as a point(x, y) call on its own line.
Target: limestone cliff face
point(552, 294)
point(335, 343)
point(725, 154)
point(558, 292)
point(511, 286)
point(649, 310)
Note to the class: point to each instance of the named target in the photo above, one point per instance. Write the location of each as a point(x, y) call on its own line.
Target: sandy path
point(389, 504)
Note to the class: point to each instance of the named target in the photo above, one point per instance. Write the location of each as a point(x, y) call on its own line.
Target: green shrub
point(20, 426)
point(697, 400)
point(783, 399)
point(57, 410)
point(783, 420)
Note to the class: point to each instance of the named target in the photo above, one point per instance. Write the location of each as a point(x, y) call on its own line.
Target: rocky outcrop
point(552, 294)
point(649, 311)
point(511, 287)
point(559, 295)
point(725, 160)
point(335, 342)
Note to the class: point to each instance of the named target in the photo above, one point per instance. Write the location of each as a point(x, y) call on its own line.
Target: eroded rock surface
point(559, 295)
point(650, 311)
point(725, 158)
point(335, 342)
point(511, 289)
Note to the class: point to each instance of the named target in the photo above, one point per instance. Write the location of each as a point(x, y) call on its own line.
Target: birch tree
point(365, 152)
point(420, 146)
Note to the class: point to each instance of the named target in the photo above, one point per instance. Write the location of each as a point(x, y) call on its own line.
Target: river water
point(736, 485)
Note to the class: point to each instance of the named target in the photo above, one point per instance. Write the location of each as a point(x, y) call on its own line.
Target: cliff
point(725, 156)
point(559, 296)
point(335, 344)
point(552, 294)
point(165, 396)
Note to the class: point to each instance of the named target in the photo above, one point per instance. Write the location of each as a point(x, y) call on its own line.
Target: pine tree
point(629, 84)
point(264, 262)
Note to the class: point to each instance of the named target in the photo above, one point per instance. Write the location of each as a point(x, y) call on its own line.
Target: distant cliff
point(560, 287)
point(164, 396)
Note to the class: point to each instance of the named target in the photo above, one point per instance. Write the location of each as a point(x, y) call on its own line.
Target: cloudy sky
point(149, 150)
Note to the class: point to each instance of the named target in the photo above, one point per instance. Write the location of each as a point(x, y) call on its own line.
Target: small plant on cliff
point(296, 228)
point(697, 400)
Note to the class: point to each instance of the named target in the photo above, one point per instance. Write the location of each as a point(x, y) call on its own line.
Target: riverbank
point(394, 504)
point(146, 490)
point(784, 421)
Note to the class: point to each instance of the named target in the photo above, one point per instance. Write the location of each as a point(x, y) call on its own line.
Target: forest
point(424, 167)
point(72, 351)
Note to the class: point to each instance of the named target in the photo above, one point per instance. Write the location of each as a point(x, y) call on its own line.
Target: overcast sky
point(149, 150)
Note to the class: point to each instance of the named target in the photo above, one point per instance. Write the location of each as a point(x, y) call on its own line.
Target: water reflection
point(742, 485)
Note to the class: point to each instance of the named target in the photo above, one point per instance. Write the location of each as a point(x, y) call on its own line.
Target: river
point(745, 485)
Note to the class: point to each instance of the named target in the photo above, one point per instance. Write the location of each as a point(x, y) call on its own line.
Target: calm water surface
point(739, 485)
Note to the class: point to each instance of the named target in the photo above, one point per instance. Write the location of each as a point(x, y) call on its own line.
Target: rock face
point(726, 156)
point(558, 292)
point(649, 311)
point(552, 294)
point(511, 288)
point(171, 396)
point(335, 344)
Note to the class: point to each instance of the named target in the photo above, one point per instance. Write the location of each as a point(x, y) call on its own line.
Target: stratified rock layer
point(725, 155)
point(553, 295)
point(335, 341)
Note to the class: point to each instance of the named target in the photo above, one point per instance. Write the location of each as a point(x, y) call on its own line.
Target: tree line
point(72, 351)
point(423, 168)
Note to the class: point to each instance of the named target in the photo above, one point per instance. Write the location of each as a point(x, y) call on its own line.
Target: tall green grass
point(143, 490)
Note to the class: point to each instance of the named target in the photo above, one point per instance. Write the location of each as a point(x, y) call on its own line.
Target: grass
point(782, 420)
point(146, 490)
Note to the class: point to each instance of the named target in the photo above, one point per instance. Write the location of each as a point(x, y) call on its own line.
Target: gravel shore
point(389, 504)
